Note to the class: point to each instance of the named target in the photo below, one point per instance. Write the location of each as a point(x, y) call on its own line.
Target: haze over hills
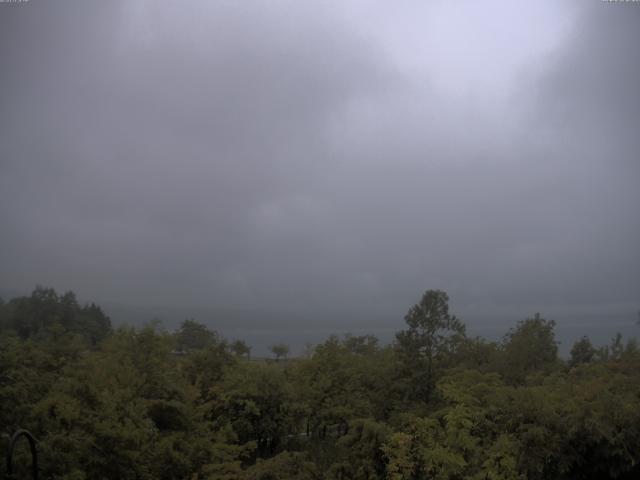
point(261, 328)
point(264, 328)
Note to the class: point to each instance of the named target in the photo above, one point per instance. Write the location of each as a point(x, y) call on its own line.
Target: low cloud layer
point(296, 156)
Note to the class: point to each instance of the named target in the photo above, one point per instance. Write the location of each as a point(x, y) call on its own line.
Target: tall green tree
point(432, 337)
point(529, 347)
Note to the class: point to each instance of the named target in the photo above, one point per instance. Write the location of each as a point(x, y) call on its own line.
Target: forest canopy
point(146, 403)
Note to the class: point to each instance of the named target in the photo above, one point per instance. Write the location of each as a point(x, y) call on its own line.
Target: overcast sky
point(334, 155)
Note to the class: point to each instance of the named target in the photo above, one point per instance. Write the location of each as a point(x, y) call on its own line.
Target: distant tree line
point(144, 403)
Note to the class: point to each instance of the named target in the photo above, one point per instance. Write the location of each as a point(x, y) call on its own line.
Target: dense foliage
point(143, 403)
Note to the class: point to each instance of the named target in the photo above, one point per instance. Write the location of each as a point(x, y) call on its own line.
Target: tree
point(529, 347)
point(582, 352)
point(240, 348)
point(127, 411)
point(336, 385)
point(477, 353)
point(193, 335)
point(360, 455)
point(205, 368)
point(46, 315)
point(616, 349)
point(31, 316)
point(361, 345)
point(255, 399)
point(280, 350)
point(432, 336)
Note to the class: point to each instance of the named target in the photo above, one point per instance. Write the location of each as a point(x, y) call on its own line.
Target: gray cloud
point(317, 156)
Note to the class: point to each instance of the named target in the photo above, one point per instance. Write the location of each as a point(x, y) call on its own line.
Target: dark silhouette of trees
point(45, 314)
point(280, 350)
point(240, 348)
point(193, 335)
point(435, 404)
point(582, 352)
point(432, 336)
point(529, 347)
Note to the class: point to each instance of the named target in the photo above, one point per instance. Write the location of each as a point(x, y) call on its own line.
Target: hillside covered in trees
point(145, 403)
